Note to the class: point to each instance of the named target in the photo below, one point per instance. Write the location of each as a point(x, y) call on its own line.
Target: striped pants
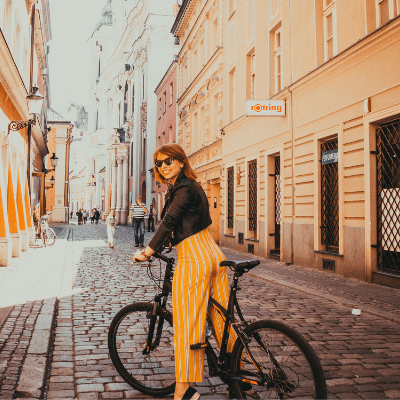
point(197, 276)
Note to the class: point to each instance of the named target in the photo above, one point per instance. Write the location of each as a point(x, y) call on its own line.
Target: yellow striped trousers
point(197, 276)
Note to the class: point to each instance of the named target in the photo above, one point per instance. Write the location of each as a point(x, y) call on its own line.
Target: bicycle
point(46, 234)
point(269, 359)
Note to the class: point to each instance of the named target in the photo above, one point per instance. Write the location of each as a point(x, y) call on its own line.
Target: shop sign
point(266, 108)
point(329, 157)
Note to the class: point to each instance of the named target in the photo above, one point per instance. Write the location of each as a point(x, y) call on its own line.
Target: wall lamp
point(35, 102)
point(177, 41)
point(54, 162)
point(52, 181)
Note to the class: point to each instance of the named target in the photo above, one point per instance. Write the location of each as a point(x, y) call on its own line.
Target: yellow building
point(199, 29)
point(320, 185)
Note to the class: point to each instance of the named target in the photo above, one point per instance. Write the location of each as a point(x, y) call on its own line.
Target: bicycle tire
point(303, 375)
point(154, 373)
point(51, 237)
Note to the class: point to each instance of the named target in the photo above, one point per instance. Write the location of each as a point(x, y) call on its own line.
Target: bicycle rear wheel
point(153, 373)
point(291, 365)
point(51, 237)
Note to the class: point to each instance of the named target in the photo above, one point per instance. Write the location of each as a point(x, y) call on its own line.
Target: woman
point(111, 222)
point(185, 219)
point(80, 215)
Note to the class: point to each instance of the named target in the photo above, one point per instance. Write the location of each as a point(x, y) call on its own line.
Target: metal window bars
point(231, 197)
point(277, 203)
point(388, 196)
point(330, 200)
point(252, 195)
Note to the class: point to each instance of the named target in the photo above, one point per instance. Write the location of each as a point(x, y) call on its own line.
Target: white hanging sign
point(265, 108)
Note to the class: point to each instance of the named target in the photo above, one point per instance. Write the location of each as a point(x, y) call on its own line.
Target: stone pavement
point(360, 354)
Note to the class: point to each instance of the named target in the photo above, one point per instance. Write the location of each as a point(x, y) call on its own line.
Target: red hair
point(175, 151)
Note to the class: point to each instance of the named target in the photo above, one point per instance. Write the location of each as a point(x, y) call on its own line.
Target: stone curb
point(33, 375)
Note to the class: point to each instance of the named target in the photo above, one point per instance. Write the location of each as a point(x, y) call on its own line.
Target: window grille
point(250, 248)
point(277, 202)
point(253, 195)
point(384, 11)
point(388, 196)
point(330, 200)
point(231, 197)
point(240, 237)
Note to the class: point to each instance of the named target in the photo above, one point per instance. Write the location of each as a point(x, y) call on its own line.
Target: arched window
point(125, 102)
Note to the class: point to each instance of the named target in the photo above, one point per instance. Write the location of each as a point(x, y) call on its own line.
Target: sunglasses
point(167, 161)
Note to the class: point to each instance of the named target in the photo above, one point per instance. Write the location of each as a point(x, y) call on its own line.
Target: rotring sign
point(265, 108)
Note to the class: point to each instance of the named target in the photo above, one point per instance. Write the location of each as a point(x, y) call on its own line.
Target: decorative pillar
point(124, 210)
point(114, 185)
point(120, 160)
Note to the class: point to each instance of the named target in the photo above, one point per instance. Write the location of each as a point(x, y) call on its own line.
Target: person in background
point(72, 213)
point(96, 215)
point(85, 215)
point(150, 220)
point(136, 216)
point(92, 216)
point(80, 216)
point(111, 223)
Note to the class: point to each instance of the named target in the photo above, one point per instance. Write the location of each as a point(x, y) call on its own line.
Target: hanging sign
point(329, 157)
point(265, 108)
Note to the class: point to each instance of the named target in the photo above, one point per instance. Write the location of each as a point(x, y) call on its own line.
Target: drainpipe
point(28, 157)
point(292, 117)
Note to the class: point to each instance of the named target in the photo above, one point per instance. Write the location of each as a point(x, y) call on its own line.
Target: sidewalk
point(378, 300)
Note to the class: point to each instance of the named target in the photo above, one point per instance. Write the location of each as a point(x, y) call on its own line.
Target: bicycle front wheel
point(291, 367)
point(152, 373)
point(44, 237)
point(50, 237)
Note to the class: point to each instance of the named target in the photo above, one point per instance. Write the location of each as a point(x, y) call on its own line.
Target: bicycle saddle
point(241, 266)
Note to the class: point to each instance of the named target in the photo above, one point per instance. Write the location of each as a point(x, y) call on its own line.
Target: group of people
point(83, 216)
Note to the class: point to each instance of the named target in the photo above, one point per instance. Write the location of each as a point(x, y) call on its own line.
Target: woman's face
point(112, 213)
point(169, 172)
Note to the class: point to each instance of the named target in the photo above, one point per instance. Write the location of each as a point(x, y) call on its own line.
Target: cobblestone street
point(360, 354)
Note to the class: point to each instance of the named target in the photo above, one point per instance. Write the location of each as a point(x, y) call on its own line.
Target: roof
point(54, 116)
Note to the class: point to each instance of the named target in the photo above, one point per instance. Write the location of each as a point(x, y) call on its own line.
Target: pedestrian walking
point(96, 215)
point(184, 222)
point(136, 216)
point(72, 213)
point(111, 223)
point(85, 216)
point(80, 216)
point(150, 220)
point(92, 216)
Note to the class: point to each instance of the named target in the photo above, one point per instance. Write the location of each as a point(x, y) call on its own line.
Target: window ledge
point(251, 239)
point(331, 253)
point(229, 235)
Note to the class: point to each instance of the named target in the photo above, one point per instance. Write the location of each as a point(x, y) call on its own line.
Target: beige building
point(318, 186)
point(200, 61)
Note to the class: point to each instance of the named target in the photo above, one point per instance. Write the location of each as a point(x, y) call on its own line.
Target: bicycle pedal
point(198, 346)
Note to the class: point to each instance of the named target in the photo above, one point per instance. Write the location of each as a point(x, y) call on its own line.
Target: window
point(329, 30)
point(170, 135)
point(171, 93)
point(194, 131)
point(215, 116)
point(232, 84)
point(251, 76)
point(202, 55)
point(201, 130)
point(215, 36)
point(230, 183)
point(164, 102)
point(126, 102)
point(278, 60)
point(159, 107)
point(96, 123)
point(383, 11)
point(163, 138)
point(252, 199)
point(195, 63)
point(329, 196)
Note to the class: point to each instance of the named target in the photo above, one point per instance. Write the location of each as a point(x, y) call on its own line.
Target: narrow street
point(85, 284)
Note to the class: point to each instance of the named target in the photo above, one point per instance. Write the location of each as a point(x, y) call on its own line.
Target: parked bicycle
point(45, 234)
point(269, 359)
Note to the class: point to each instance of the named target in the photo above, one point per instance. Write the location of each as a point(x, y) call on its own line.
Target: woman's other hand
point(139, 257)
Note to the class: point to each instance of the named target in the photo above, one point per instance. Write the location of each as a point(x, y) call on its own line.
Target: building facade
point(317, 186)
point(131, 48)
point(166, 93)
point(25, 31)
point(200, 97)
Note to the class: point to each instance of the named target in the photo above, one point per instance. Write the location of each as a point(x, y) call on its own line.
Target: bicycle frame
point(218, 366)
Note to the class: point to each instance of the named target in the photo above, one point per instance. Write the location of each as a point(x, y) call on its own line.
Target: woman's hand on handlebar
point(139, 257)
